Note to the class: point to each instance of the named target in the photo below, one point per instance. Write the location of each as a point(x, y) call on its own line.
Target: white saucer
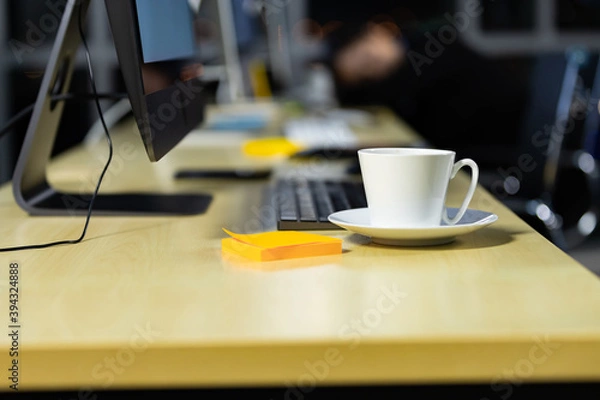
point(358, 221)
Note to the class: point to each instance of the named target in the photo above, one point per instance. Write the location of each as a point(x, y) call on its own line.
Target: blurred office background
point(548, 48)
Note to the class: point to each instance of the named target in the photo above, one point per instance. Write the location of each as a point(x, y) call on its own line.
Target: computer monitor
point(159, 58)
point(155, 45)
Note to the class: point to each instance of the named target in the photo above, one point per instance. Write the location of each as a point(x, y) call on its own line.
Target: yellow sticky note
point(259, 79)
point(267, 147)
point(272, 246)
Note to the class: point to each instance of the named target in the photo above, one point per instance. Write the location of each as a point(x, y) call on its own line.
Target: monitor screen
point(166, 30)
point(169, 46)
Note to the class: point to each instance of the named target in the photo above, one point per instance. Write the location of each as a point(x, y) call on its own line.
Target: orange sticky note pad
point(282, 245)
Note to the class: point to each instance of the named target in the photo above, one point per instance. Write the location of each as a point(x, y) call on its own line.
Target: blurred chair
point(551, 181)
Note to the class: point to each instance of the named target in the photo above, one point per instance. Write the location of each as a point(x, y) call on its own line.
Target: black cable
point(110, 152)
point(89, 96)
point(10, 125)
point(24, 113)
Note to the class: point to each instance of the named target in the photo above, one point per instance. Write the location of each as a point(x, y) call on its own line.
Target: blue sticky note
point(238, 123)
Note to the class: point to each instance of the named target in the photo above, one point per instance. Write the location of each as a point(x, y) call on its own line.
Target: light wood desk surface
point(151, 302)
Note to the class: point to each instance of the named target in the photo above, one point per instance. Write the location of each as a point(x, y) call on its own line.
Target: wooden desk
point(150, 302)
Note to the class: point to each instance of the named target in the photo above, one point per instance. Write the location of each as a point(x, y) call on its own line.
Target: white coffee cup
point(407, 187)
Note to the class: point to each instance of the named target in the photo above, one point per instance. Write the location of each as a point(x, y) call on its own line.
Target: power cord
point(110, 153)
point(24, 113)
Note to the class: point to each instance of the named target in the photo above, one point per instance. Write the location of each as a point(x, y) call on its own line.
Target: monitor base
point(54, 203)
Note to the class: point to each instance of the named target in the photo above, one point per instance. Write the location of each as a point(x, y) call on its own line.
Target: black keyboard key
point(338, 196)
point(306, 205)
point(356, 194)
point(286, 199)
point(322, 200)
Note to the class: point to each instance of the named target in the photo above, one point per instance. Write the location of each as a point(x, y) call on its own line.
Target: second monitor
point(161, 76)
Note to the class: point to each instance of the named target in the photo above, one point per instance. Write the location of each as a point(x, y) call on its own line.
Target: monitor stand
point(31, 189)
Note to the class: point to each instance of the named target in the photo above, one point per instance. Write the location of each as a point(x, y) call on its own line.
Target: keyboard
point(315, 132)
point(306, 204)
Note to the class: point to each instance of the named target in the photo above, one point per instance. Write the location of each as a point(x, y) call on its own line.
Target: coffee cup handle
point(474, 179)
